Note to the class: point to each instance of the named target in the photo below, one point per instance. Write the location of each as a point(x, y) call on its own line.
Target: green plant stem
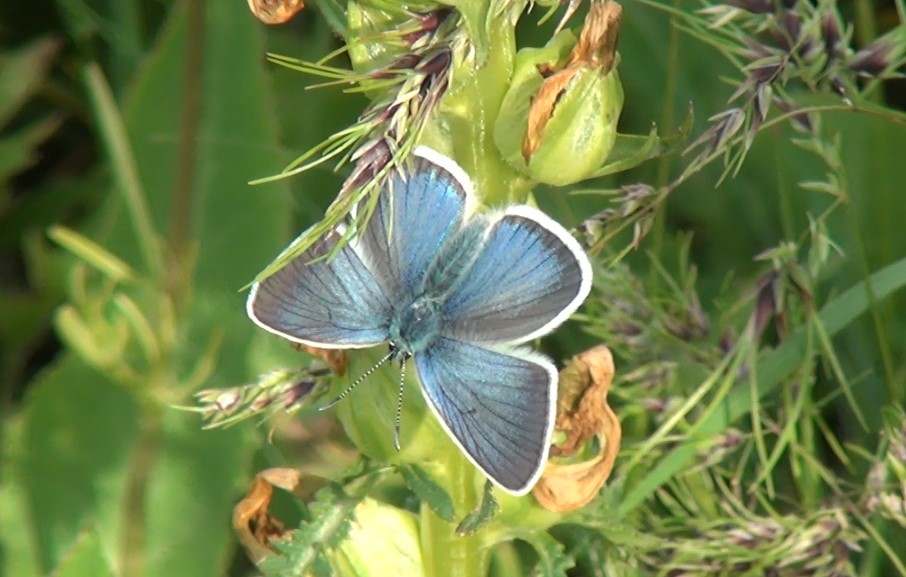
point(179, 238)
point(475, 108)
point(122, 161)
point(144, 455)
point(472, 111)
point(443, 552)
point(865, 26)
point(667, 121)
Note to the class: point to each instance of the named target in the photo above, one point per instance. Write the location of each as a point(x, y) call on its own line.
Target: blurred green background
point(100, 475)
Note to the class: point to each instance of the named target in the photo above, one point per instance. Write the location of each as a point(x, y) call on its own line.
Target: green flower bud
point(558, 119)
point(383, 540)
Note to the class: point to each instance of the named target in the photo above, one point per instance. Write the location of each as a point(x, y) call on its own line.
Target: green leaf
point(17, 150)
point(629, 150)
point(429, 492)
point(334, 13)
point(190, 492)
point(161, 495)
point(192, 487)
point(74, 461)
point(236, 228)
point(81, 20)
point(92, 253)
point(21, 72)
point(87, 557)
point(481, 515)
point(21, 552)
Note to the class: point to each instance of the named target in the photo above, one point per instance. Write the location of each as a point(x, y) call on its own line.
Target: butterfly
point(454, 291)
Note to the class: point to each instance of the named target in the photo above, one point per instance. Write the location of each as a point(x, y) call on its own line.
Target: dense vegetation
point(748, 259)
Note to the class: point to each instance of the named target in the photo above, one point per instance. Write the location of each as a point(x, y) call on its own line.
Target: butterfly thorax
point(415, 325)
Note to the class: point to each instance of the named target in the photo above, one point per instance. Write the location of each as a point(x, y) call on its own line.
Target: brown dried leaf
point(336, 359)
point(597, 45)
point(582, 412)
point(596, 49)
point(275, 11)
point(252, 521)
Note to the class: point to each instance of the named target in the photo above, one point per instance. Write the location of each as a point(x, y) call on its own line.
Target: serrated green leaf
point(553, 561)
point(481, 515)
point(429, 492)
point(332, 512)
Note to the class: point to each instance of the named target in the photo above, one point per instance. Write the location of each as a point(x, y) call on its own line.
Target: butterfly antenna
point(399, 406)
point(356, 382)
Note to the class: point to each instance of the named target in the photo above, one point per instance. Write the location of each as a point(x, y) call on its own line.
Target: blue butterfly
point(453, 290)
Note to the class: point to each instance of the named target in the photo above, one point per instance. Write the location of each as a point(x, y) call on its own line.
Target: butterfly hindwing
point(330, 303)
point(527, 278)
point(497, 406)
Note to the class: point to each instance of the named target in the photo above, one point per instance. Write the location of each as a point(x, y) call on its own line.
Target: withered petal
point(582, 413)
point(252, 521)
point(275, 11)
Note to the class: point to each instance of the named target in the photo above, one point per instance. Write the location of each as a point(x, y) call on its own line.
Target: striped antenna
point(356, 382)
point(399, 405)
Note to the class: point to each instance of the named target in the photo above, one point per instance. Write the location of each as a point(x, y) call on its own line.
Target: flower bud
point(384, 540)
point(558, 119)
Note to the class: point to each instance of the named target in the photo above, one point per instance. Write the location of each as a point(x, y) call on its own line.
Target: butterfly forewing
point(497, 406)
point(527, 278)
point(415, 215)
point(331, 303)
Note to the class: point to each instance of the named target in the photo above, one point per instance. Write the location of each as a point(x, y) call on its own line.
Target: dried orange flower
point(582, 413)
